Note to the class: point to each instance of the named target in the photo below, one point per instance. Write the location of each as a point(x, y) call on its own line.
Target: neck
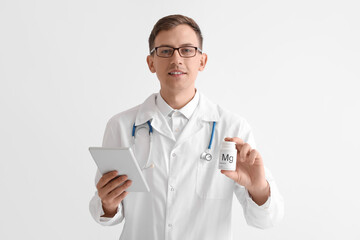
point(177, 100)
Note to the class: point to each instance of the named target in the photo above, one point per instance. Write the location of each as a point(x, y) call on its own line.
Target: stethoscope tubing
point(212, 135)
point(205, 155)
point(134, 129)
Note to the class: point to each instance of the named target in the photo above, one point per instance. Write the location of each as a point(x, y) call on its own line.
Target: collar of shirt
point(187, 110)
point(206, 111)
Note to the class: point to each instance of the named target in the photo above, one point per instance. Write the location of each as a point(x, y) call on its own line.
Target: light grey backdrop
point(291, 68)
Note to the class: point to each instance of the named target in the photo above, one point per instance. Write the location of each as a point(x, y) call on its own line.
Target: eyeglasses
point(167, 52)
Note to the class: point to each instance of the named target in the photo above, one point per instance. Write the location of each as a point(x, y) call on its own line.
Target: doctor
point(190, 197)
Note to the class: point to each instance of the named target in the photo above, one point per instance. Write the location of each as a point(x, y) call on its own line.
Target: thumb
point(230, 174)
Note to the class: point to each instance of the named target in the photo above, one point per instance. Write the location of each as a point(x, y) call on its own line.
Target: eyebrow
point(182, 45)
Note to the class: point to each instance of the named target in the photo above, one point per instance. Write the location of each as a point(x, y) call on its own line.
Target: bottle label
point(227, 160)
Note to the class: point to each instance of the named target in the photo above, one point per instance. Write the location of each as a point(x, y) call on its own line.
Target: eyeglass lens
point(169, 51)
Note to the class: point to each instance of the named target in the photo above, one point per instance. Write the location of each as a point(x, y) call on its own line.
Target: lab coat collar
point(206, 110)
point(149, 111)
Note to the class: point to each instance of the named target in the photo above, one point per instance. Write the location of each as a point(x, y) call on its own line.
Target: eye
point(187, 50)
point(165, 51)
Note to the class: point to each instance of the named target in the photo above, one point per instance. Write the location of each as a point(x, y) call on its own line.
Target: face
point(181, 35)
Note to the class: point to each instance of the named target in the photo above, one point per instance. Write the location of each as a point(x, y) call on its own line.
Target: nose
point(176, 58)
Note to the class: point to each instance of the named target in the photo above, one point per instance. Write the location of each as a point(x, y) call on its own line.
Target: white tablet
point(123, 161)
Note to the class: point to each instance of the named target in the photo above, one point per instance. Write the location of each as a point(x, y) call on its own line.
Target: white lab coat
point(189, 198)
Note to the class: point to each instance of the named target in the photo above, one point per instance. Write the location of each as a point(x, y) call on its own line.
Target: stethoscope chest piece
point(206, 156)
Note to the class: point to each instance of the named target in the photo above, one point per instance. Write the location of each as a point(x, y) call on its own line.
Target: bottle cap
point(226, 144)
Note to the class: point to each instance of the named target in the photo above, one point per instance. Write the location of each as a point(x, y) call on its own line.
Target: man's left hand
point(250, 171)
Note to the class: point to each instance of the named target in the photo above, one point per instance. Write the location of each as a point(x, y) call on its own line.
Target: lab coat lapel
point(149, 111)
point(205, 112)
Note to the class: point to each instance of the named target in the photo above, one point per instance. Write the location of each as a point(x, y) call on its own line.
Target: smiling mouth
point(176, 73)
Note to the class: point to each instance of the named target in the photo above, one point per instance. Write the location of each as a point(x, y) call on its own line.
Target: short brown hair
point(171, 21)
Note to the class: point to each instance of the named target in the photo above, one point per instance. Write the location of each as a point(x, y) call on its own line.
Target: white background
point(291, 68)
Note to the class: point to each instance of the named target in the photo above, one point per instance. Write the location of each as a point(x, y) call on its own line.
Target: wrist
point(260, 194)
point(260, 189)
point(108, 211)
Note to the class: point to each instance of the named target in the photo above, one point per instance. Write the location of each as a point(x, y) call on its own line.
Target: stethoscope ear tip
point(151, 166)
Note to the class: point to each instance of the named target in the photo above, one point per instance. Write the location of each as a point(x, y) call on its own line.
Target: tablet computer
point(123, 161)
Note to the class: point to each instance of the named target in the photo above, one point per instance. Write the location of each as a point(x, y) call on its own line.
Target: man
point(190, 197)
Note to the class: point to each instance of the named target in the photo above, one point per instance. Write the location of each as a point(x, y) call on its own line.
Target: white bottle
point(227, 158)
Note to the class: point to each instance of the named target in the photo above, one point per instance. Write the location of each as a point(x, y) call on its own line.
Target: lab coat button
point(169, 225)
point(173, 155)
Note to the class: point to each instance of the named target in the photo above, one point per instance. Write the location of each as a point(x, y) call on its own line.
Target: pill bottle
point(227, 158)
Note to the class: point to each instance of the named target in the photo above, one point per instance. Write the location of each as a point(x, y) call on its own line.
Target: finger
point(119, 181)
point(105, 192)
point(229, 173)
point(245, 149)
point(105, 179)
point(119, 190)
point(252, 156)
point(237, 140)
point(111, 201)
point(239, 143)
point(121, 197)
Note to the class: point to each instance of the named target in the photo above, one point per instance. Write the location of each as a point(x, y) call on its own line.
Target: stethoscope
point(150, 129)
point(206, 155)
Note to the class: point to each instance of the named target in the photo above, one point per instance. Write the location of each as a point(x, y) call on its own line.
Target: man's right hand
point(111, 190)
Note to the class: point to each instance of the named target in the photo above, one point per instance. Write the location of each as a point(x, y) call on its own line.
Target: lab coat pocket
point(211, 183)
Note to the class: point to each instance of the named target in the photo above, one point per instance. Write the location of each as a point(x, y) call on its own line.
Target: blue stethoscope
point(206, 155)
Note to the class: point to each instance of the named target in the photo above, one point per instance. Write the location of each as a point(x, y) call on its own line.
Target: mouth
point(176, 73)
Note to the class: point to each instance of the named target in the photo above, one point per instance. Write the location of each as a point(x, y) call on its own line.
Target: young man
point(190, 197)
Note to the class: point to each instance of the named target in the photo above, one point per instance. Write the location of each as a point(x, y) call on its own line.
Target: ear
point(203, 61)
point(150, 62)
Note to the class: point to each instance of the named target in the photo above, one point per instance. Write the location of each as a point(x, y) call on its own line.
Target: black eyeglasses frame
point(174, 49)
